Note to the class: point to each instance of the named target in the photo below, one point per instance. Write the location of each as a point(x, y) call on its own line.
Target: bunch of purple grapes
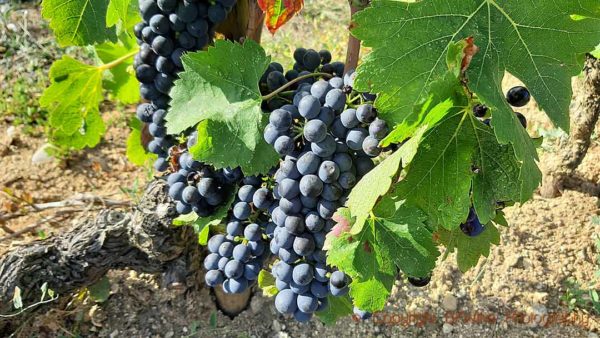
point(170, 28)
point(237, 257)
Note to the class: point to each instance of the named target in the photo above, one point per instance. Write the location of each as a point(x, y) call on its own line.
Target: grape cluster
point(307, 62)
point(169, 29)
point(236, 258)
point(326, 143)
point(199, 188)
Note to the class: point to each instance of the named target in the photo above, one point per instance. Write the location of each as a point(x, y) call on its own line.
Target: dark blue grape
point(518, 96)
point(304, 245)
point(371, 146)
point(213, 278)
point(302, 274)
point(325, 148)
point(284, 145)
point(336, 99)
point(309, 107)
point(315, 131)
point(329, 172)
point(162, 46)
point(311, 186)
point(366, 113)
point(355, 138)
point(159, 24)
point(217, 13)
point(320, 89)
point(308, 163)
point(215, 242)
point(281, 119)
point(285, 301)
point(197, 28)
point(186, 11)
point(252, 232)
point(311, 60)
point(235, 228)
point(307, 303)
point(378, 129)
point(211, 261)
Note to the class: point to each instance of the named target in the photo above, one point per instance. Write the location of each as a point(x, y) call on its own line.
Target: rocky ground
point(515, 292)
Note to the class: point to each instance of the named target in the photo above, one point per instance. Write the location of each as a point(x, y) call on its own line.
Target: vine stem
point(353, 50)
point(293, 82)
point(118, 61)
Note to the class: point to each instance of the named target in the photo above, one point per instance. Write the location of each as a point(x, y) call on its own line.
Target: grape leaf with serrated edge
point(78, 22)
point(469, 249)
point(72, 101)
point(461, 152)
point(512, 37)
point(445, 92)
point(338, 307)
point(398, 239)
point(219, 88)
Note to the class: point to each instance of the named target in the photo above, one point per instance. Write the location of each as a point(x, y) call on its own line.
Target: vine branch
point(353, 50)
point(585, 112)
point(118, 61)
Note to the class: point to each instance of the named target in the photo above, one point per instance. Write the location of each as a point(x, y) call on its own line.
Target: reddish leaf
point(470, 50)
point(278, 12)
point(342, 226)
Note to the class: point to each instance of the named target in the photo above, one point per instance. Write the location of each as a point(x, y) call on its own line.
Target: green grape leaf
point(446, 94)
point(136, 153)
point(410, 41)
point(219, 88)
point(122, 81)
point(512, 37)
point(402, 233)
point(372, 270)
point(123, 13)
point(78, 22)
point(457, 154)
point(469, 249)
point(72, 101)
point(398, 239)
point(338, 307)
point(89, 134)
point(266, 282)
point(378, 182)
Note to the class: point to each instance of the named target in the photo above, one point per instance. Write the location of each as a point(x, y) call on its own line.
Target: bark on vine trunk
point(142, 239)
point(559, 171)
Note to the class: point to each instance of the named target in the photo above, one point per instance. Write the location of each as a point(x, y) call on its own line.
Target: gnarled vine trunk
point(142, 239)
point(559, 171)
